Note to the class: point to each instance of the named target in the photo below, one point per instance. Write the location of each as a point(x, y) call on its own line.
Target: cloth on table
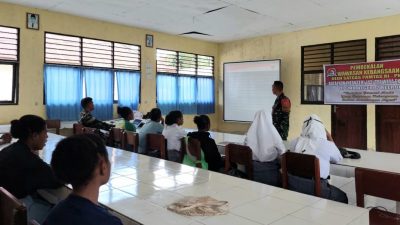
point(199, 206)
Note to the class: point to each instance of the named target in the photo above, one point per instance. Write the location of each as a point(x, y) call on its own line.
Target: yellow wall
point(287, 46)
point(32, 54)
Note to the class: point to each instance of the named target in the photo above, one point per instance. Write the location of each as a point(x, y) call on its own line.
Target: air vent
point(196, 33)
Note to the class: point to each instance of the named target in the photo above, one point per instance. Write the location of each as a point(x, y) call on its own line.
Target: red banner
point(362, 83)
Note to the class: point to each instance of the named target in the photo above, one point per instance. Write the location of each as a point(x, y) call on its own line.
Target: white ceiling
point(238, 19)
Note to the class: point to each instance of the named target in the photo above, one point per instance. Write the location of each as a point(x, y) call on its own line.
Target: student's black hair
point(278, 84)
point(201, 121)
point(26, 126)
point(173, 117)
point(154, 114)
point(85, 102)
point(124, 112)
point(75, 158)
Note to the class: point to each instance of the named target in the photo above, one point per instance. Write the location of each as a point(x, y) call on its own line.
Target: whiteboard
point(248, 88)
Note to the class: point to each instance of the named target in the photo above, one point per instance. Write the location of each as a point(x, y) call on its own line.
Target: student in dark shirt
point(210, 149)
point(86, 117)
point(82, 161)
point(22, 172)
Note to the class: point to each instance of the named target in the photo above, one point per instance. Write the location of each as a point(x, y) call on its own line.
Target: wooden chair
point(380, 217)
point(54, 124)
point(88, 130)
point(156, 146)
point(12, 211)
point(301, 165)
point(381, 184)
point(131, 141)
point(239, 154)
point(194, 148)
point(78, 128)
point(183, 149)
point(117, 137)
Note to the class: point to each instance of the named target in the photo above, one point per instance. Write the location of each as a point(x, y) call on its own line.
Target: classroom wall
point(32, 54)
point(287, 46)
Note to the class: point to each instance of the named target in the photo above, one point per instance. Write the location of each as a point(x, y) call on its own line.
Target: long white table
point(141, 187)
point(342, 170)
point(369, 159)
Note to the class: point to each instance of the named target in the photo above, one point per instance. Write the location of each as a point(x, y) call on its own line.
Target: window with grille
point(185, 82)
point(9, 64)
point(79, 51)
point(97, 53)
point(126, 56)
point(182, 63)
point(387, 48)
point(121, 60)
point(315, 56)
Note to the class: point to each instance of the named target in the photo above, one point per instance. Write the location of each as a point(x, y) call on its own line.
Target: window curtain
point(128, 89)
point(191, 95)
point(63, 92)
point(99, 86)
point(187, 94)
point(167, 92)
point(205, 95)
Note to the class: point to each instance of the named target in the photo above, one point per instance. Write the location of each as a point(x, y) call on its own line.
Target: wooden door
point(387, 128)
point(349, 126)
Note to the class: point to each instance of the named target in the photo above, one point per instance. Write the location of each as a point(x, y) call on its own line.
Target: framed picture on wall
point(149, 40)
point(32, 21)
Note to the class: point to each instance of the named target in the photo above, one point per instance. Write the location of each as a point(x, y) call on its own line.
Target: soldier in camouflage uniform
point(280, 110)
point(87, 119)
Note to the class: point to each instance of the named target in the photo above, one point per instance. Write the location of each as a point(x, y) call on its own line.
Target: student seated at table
point(267, 147)
point(127, 114)
point(5, 138)
point(174, 133)
point(316, 140)
point(82, 161)
point(153, 126)
point(22, 171)
point(86, 117)
point(208, 145)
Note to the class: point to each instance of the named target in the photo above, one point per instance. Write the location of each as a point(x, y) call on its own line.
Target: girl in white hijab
point(316, 140)
point(266, 145)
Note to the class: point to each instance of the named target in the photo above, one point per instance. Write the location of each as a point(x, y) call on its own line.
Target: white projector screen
point(248, 88)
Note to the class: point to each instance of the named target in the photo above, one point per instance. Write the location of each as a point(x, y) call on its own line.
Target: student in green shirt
point(127, 114)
